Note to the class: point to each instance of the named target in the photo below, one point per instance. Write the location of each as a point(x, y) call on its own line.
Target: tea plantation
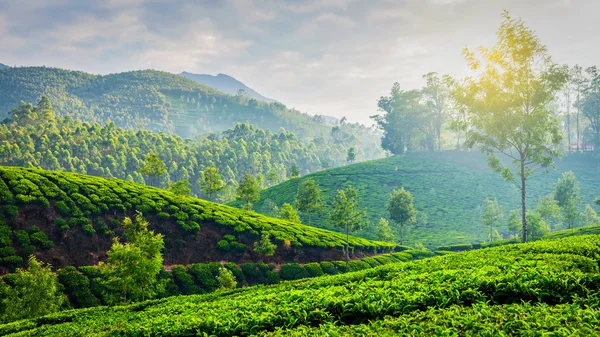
point(448, 188)
point(538, 288)
point(69, 219)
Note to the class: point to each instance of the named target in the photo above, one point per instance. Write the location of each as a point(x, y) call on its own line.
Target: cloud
point(331, 57)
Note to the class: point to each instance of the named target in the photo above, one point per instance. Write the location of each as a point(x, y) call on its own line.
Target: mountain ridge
point(227, 84)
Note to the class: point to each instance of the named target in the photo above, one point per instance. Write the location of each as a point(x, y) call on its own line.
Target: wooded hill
point(69, 219)
point(159, 101)
point(34, 136)
point(448, 188)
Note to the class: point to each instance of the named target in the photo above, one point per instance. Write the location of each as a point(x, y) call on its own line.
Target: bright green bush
point(328, 268)
point(314, 269)
point(223, 245)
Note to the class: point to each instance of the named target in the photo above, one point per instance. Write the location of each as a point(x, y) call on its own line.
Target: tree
point(598, 201)
point(182, 187)
point(491, 215)
point(226, 279)
point(132, 267)
point(383, 231)
point(566, 194)
point(294, 171)
point(265, 246)
point(547, 208)
point(351, 155)
point(212, 182)
point(345, 214)
point(309, 198)
point(506, 104)
point(248, 191)
point(401, 211)
point(589, 216)
point(436, 94)
point(591, 105)
point(34, 292)
point(402, 120)
point(153, 168)
point(514, 222)
point(287, 212)
point(537, 226)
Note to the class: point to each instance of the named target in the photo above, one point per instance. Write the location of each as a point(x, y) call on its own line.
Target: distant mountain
point(226, 84)
point(2, 66)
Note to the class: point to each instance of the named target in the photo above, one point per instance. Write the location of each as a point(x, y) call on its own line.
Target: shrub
point(272, 278)
point(10, 211)
point(77, 286)
point(225, 279)
point(40, 239)
point(6, 251)
point(341, 266)
point(256, 273)
point(265, 246)
point(238, 247)
point(205, 275)
point(163, 216)
point(88, 229)
point(328, 268)
point(292, 271)
point(62, 208)
point(237, 272)
point(355, 265)
point(12, 262)
point(61, 224)
point(223, 245)
point(314, 269)
point(22, 238)
point(456, 248)
point(191, 226)
point(184, 281)
point(229, 237)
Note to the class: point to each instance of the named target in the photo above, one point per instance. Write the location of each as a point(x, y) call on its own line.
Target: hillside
point(448, 189)
point(2, 66)
point(69, 219)
point(226, 84)
point(148, 99)
point(64, 144)
point(549, 287)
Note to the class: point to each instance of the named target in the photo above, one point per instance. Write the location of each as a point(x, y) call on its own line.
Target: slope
point(542, 287)
point(2, 66)
point(226, 84)
point(448, 188)
point(148, 99)
point(69, 219)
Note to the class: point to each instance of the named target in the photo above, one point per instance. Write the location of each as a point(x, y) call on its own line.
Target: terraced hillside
point(69, 219)
point(448, 189)
point(544, 287)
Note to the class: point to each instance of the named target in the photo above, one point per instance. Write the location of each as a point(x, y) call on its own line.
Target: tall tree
point(578, 84)
point(401, 211)
point(294, 171)
point(182, 187)
point(351, 156)
point(248, 191)
point(346, 214)
point(153, 168)
point(436, 94)
point(491, 215)
point(514, 222)
point(131, 269)
point(309, 198)
point(506, 104)
point(589, 216)
point(566, 193)
point(591, 105)
point(212, 182)
point(34, 292)
point(548, 209)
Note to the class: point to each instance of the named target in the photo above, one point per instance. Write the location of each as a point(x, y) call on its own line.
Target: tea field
point(548, 287)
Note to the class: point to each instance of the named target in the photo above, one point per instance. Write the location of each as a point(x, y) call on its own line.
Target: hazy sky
point(332, 57)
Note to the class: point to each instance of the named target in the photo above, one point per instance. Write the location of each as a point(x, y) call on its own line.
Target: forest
point(143, 203)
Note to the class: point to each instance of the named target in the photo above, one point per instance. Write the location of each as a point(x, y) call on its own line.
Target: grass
point(448, 188)
point(524, 289)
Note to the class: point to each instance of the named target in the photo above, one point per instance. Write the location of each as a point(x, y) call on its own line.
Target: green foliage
point(383, 232)
point(132, 268)
point(401, 211)
point(226, 279)
point(265, 246)
point(328, 268)
point(184, 281)
point(506, 103)
point(212, 182)
point(78, 286)
point(182, 187)
point(223, 245)
point(206, 275)
point(153, 167)
point(33, 292)
point(293, 271)
point(345, 213)
point(314, 269)
point(566, 194)
point(287, 212)
point(492, 214)
point(309, 198)
point(248, 191)
point(590, 217)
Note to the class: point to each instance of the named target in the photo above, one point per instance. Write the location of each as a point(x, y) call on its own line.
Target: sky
point(332, 57)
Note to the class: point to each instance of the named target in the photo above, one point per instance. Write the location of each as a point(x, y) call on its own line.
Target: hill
point(549, 287)
point(226, 84)
point(448, 187)
point(62, 143)
point(148, 99)
point(2, 66)
point(69, 219)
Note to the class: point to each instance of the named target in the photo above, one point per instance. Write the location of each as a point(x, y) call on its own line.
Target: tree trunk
point(523, 201)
